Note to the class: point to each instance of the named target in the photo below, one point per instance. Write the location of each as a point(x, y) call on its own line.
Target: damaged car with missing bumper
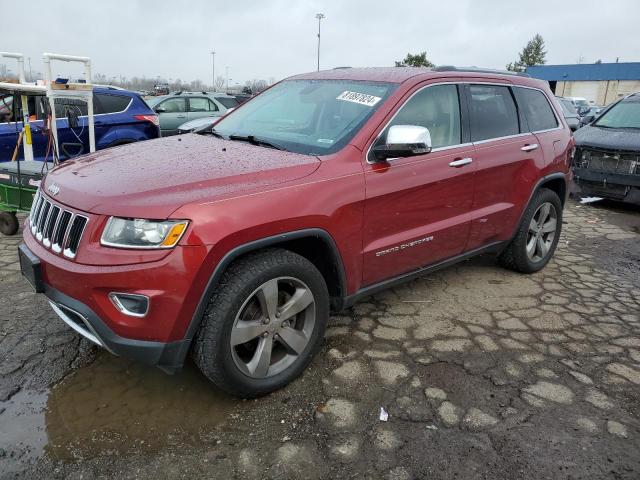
point(607, 160)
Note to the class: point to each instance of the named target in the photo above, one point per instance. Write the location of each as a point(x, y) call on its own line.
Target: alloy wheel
point(542, 232)
point(273, 327)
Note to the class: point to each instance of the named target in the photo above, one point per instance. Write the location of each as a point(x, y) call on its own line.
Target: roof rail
point(451, 68)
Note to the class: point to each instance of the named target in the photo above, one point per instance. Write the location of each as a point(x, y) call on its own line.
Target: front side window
point(626, 114)
point(174, 105)
point(201, 105)
point(493, 112)
point(536, 109)
point(436, 108)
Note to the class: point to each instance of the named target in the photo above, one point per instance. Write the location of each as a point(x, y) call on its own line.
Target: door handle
point(528, 148)
point(181, 116)
point(461, 162)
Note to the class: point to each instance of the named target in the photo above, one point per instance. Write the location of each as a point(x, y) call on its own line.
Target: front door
point(417, 209)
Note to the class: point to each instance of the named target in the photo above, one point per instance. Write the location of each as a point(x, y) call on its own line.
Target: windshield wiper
point(253, 140)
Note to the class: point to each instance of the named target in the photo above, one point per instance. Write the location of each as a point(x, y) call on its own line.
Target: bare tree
point(220, 81)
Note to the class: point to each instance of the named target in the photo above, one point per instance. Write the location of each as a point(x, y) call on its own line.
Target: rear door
point(544, 122)
point(507, 157)
point(172, 113)
point(417, 208)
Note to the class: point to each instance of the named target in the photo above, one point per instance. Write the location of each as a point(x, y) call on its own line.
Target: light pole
point(319, 16)
point(227, 69)
point(213, 68)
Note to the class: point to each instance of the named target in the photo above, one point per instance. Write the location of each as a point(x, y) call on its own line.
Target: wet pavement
point(484, 373)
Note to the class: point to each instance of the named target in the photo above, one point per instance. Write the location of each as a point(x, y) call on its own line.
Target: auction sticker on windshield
point(361, 98)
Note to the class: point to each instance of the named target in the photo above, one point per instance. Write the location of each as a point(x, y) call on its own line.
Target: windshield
point(625, 114)
point(315, 117)
point(580, 102)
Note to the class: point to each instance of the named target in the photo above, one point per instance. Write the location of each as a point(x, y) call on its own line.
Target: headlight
point(140, 233)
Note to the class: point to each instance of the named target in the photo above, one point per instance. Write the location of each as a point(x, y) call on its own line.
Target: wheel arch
point(556, 182)
point(315, 244)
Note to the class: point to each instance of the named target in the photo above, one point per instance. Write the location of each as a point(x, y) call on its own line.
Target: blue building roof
point(586, 71)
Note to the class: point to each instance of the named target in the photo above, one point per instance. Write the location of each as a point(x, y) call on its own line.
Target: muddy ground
point(484, 374)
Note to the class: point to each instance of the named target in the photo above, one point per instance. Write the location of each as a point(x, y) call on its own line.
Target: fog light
point(130, 304)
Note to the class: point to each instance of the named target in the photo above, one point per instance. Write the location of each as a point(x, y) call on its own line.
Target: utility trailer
point(20, 179)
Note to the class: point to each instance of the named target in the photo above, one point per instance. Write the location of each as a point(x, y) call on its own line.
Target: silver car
point(180, 107)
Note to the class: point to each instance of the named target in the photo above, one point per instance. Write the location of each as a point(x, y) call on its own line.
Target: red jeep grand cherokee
point(238, 242)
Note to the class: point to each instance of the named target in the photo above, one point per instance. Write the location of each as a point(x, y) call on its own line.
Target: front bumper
point(79, 294)
point(169, 356)
point(617, 186)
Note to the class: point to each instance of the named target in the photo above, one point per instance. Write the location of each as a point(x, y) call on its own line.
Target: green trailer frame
point(14, 199)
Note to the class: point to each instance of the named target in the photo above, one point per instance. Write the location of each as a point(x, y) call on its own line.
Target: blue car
point(120, 117)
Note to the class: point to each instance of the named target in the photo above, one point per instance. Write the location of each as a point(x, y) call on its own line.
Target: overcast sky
point(277, 38)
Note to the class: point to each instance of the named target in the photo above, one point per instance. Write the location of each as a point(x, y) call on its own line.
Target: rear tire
point(537, 235)
point(273, 303)
point(9, 223)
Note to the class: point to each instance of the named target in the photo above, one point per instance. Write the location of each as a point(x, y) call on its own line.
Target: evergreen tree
point(532, 54)
point(417, 60)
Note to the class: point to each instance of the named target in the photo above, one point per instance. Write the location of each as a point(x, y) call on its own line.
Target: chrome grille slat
point(42, 219)
point(36, 214)
point(55, 227)
point(36, 199)
point(74, 235)
point(49, 227)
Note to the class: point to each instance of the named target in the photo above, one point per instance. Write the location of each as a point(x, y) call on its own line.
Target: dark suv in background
point(236, 244)
point(607, 161)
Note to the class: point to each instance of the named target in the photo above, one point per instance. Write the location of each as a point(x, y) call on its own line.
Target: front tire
point(264, 323)
point(9, 224)
point(538, 234)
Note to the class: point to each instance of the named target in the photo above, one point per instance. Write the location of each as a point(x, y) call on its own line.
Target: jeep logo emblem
point(53, 189)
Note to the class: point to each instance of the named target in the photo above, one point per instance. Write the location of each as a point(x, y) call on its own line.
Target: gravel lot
point(484, 374)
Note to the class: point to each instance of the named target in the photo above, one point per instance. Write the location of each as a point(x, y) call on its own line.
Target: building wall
point(604, 92)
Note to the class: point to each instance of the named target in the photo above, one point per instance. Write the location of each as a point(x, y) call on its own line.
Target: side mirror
point(403, 141)
point(588, 119)
point(159, 110)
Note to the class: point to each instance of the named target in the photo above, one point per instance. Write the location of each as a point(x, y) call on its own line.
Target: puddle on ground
point(113, 406)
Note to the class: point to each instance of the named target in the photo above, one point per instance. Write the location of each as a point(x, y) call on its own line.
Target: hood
point(152, 179)
point(199, 122)
point(625, 139)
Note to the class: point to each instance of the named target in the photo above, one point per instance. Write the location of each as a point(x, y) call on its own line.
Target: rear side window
point(536, 109)
point(200, 104)
point(228, 102)
point(104, 103)
point(493, 112)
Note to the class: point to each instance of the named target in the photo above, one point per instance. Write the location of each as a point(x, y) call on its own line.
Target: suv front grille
point(56, 228)
point(609, 162)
